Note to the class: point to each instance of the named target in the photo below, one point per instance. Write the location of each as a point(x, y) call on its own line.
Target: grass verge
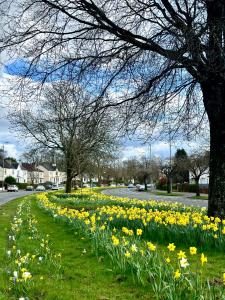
point(82, 274)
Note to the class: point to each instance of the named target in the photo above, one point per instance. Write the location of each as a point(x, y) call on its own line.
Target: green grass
point(199, 197)
point(164, 193)
point(7, 212)
point(83, 276)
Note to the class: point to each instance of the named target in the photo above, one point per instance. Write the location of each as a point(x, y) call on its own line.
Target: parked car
point(130, 185)
point(140, 187)
point(55, 187)
point(151, 186)
point(48, 187)
point(12, 188)
point(61, 187)
point(40, 188)
point(29, 188)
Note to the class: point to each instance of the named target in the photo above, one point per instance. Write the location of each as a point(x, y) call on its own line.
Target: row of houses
point(31, 173)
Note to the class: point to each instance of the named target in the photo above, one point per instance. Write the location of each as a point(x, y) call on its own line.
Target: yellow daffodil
point(139, 231)
point(203, 259)
point(171, 247)
point(193, 250)
point(177, 274)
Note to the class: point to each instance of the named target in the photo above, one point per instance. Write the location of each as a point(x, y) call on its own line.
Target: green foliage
point(11, 159)
point(10, 180)
point(22, 186)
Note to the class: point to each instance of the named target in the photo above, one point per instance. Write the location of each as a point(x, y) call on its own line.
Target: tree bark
point(68, 180)
point(145, 182)
point(214, 99)
point(197, 187)
point(168, 185)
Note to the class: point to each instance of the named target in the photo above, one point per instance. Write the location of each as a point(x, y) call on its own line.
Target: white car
point(40, 188)
point(140, 187)
point(151, 186)
point(12, 188)
point(55, 187)
point(61, 187)
point(130, 185)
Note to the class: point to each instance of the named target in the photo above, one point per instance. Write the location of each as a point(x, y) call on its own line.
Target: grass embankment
point(81, 275)
point(199, 197)
point(164, 193)
point(216, 258)
point(125, 233)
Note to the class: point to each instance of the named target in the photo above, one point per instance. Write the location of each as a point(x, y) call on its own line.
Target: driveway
point(8, 196)
point(132, 193)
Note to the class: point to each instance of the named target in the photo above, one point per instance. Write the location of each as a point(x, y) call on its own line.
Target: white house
point(204, 179)
point(15, 170)
point(51, 173)
point(34, 175)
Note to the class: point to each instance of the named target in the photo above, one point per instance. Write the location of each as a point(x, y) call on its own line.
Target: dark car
point(29, 188)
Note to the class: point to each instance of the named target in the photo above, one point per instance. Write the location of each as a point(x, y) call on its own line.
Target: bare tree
point(170, 54)
point(58, 122)
point(198, 164)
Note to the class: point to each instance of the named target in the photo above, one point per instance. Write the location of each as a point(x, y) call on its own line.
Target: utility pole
point(170, 142)
point(150, 160)
point(3, 167)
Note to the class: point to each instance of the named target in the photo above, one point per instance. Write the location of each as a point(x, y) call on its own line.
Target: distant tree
point(198, 164)
point(10, 159)
point(10, 180)
point(62, 122)
point(167, 169)
point(180, 162)
point(130, 169)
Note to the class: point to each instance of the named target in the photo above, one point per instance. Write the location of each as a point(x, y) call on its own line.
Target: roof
point(8, 165)
point(30, 167)
point(49, 167)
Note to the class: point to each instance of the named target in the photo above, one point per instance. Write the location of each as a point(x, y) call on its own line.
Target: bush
point(10, 180)
point(22, 186)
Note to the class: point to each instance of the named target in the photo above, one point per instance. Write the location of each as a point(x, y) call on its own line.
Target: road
point(8, 196)
point(132, 193)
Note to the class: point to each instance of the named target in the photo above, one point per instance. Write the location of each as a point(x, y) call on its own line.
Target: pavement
point(132, 193)
point(8, 196)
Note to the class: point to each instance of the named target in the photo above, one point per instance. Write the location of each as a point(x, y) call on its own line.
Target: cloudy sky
point(131, 147)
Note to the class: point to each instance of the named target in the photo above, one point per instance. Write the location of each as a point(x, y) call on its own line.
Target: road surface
point(8, 196)
point(132, 193)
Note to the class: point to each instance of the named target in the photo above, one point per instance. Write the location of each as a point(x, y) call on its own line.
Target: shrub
point(10, 180)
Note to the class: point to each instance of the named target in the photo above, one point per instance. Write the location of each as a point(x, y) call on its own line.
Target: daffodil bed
point(42, 259)
point(132, 234)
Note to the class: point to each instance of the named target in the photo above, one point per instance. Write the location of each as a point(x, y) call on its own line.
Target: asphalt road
point(132, 193)
point(8, 196)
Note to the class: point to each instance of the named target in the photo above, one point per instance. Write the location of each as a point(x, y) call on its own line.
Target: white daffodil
point(183, 262)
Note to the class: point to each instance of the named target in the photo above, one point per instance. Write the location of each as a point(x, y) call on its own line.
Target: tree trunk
point(68, 180)
point(214, 100)
point(168, 185)
point(145, 181)
point(197, 187)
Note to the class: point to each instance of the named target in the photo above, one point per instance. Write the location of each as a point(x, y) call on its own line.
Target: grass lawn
point(199, 197)
point(82, 275)
point(164, 193)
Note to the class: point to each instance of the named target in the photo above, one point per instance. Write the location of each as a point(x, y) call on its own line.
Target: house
point(34, 175)
point(15, 170)
point(52, 173)
point(204, 179)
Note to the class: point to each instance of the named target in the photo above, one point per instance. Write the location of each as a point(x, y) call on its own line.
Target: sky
point(130, 148)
